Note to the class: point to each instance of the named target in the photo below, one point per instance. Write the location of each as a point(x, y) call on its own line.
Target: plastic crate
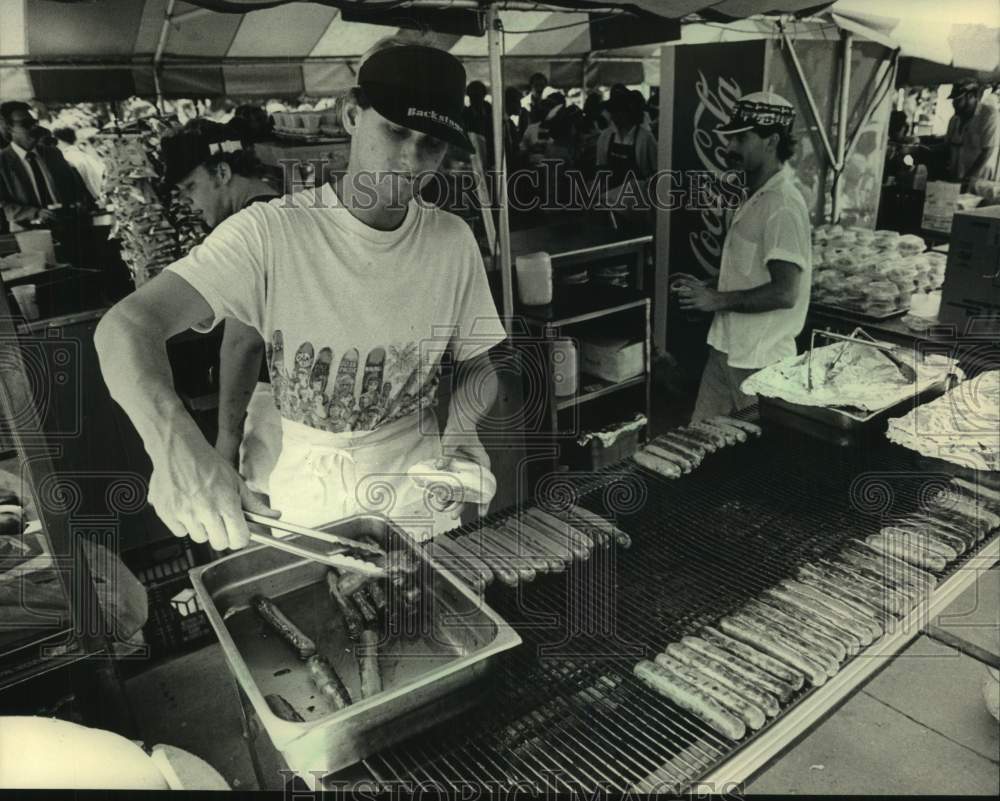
point(167, 631)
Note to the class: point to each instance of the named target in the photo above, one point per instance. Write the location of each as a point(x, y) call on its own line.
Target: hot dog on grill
point(913, 575)
point(844, 595)
point(599, 523)
point(738, 434)
point(921, 539)
point(815, 624)
point(656, 464)
point(693, 454)
point(462, 559)
point(371, 675)
point(877, 573)
point(780, 669)
point(557, 555)
point(941, 526)
point(691, 699)
point(283, 627)
point(484, 540)
point(724, 675)
point(978, 490)
point(899, 600)
point(909, 552)
point(748, 712)
point(500, 566)
point(818, 648)
point(561, 530)
point(775, 644)
point(875, 598)
point(330, 685)
point(837, 607)
point(842, 623)
point(684, 464)
point(770, 683)
point(724, 436)
point(574, 528)
point(545, 536)
point(751, 428)
point(708, 443)
point(515, 541)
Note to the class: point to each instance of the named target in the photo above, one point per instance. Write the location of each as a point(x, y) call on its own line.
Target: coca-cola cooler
point(699, 86)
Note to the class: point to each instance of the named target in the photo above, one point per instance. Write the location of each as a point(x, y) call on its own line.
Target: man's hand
point(694, 295)
point(45, 215)
point(197, 494)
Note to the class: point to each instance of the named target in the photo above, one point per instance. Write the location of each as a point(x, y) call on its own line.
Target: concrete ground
point(920, 727)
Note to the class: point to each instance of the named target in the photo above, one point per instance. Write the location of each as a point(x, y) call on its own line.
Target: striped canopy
point(66, 50)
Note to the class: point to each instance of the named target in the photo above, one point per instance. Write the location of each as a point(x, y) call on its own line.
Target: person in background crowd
point(536, 135)
point(592, 108)
point(973, 135)
point(626, 147)
point(515, 123)
point(762, 296)
point(37, 185)
point(537, 85)
point(90, 166)
point(217, 186)
point(477, 118)
point(346, 282)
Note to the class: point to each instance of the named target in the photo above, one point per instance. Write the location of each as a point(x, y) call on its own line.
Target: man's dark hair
point(67, 135)
point(241, 162)
point(787, 142)
point(7, 110)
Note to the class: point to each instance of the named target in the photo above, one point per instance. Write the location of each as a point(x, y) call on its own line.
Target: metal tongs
point(889, 351)
point(336, 556)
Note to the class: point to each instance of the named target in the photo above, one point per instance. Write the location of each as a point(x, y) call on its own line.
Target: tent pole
point(847, 38)
point(808, 93)
point(494, 33)
point(160, 47)
point(891, 76)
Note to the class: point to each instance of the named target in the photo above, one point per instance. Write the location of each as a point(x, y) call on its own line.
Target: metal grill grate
point(565, 712)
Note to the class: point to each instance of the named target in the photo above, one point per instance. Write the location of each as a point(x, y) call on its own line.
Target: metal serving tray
point(428, 658)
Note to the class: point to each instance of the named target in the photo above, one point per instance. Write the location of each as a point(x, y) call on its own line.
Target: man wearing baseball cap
point(973, 135)
point(357, 290)
point(762, 296)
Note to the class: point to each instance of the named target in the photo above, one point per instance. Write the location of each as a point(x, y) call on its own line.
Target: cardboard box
point(612, 359)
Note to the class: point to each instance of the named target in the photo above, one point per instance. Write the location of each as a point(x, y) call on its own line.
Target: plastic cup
point(534, 279)
point(27, 300)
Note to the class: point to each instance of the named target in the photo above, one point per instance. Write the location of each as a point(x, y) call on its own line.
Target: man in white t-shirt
point(357, 289)
point(762, 296)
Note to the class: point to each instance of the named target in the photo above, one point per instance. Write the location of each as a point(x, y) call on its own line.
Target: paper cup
point(26, 297)
point(40, 241)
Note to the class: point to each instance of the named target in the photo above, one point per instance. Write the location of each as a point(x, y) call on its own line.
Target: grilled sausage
point(592, 535)
point(978, 490)
point(841, 623)
point(371, 675)
point(721, 438)
point(330, 685)
point(775, 644)
point(562, 531)
point(480, 539)
point(365, 607)
point(773, 622)
point(738, 434)
point(352, 617)
point(942, 525)
point(709, 444)
point(914, 575)
point(781, 670)
point(283, 627)
point(282, 709)
point(501, 568)
point(767, 682)
point(622, 539)
point(877, 573)
point(836, 606)
point(970, 510)
point(817, 625)
point(933, 533)
point(751, 428)
point(908, 552)
point(463, 559)
point(557, 554)
point(724, 675)
point(973, 529)
point(907, 536)
point(881, 595)
point(691, 699)
point(520, 548)
point(749, 713)
point(693, 454)
point(660, 452)
point(542, 537)
point(656, 464)
point(846, 595)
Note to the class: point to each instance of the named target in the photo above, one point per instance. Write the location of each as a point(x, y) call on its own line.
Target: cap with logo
point(963, 88)
point(418, 87)
point(758, 110)
point(181, 154)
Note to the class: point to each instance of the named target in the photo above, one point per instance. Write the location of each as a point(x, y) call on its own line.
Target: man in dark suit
point(37, 185)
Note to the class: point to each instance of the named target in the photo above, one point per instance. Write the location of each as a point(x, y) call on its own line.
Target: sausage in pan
point(371, 675)
point(352, 617)
point(283, 627)
point(330, 685)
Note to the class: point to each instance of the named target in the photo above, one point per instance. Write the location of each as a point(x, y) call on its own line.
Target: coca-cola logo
point(714, 107)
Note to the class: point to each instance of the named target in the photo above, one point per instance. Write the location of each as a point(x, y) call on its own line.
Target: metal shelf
point(576, 400)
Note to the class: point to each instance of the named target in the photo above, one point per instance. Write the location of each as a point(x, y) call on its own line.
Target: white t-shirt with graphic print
point(355, 320)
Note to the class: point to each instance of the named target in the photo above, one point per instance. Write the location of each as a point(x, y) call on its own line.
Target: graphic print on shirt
point(356, 398)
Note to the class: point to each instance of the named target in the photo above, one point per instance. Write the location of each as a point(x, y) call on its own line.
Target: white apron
point(320, 477)
point(261, 443)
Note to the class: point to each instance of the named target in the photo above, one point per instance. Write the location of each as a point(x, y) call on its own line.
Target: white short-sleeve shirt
point(773, 224)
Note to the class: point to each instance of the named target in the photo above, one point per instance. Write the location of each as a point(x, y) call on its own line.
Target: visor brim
point(394, 108)
point(723, 130)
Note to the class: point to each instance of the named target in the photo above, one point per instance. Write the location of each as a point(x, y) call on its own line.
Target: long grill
point(565, 712)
